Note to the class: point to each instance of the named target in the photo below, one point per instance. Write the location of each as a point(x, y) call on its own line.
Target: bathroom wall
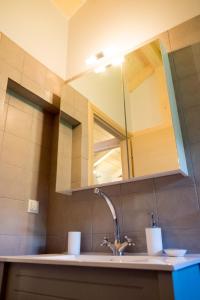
point(25, 150)
point(39, 28)
point(123, 24)
point(173, 199)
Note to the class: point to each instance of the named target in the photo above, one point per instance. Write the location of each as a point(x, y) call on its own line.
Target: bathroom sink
point(99, 258)
point(110, 258)
point(102, 259)
point(93, 258)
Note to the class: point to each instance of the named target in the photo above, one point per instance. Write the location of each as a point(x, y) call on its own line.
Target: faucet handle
point(129, 241)
point(104, 242)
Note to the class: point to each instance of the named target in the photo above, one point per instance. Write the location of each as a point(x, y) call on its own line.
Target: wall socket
point(33, 206)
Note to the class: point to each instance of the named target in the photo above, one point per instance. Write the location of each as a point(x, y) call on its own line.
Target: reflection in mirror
point(107, 163)
point(149, 121)
point(106, 121)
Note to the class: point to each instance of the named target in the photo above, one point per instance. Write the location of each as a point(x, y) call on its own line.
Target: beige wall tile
point(34, 70)
point(76, 141)
point(36, 223)
point(53, 83)
point(32, 86)
point(76, 184)
point(80, 103)
point(63, 173)
point(20, 103)
point(185, 34)
point(84, 173)
point(2, 95)
point(79, 116)
point(18, 122)
point(67, 100)
point(63, 179)
point(65, 128)
point(10, 244)
point(65, 144)
point(34, 158)
point(39, 159)
point(64, 157)
point(37, 186)
point(15, 150)
point(41, 131)
point(32, 244)
point(49, 97)
point(13, 216)
point(7, 71)
point(3, 114)
point(35, 88)
point(12, 181)
point(11, 53)
point(76, 169)
point(85, 147)
point(1, 139)
point(3, 76)
point(38, 112)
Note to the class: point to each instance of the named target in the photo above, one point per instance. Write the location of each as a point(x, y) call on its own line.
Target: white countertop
point(143, 262)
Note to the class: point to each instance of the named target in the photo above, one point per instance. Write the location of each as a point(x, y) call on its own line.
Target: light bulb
point(91, 60)
point(110, 51)
point(117, 60)
point(100, 69)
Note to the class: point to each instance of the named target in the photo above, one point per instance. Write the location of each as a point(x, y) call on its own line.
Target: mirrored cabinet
point(121, 124)
point(153, 130)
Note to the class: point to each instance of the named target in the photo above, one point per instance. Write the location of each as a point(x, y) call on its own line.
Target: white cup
point(74, 242)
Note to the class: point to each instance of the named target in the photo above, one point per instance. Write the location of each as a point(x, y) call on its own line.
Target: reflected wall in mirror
point(151, 114)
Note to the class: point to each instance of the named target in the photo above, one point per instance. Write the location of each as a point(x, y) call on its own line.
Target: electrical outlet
point(33, 206)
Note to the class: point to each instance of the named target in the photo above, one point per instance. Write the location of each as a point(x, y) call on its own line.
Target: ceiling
point(68, 7)
point(140, 64)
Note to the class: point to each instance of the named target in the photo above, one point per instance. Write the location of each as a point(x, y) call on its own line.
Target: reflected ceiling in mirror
point(149, 121)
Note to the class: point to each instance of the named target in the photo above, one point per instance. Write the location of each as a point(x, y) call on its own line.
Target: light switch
point(33, 206)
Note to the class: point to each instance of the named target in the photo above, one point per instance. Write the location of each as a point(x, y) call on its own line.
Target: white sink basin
point(99, 258)
point(110, 258)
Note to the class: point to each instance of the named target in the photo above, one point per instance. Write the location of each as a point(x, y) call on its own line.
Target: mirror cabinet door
point(153, 128)
point(95, 103)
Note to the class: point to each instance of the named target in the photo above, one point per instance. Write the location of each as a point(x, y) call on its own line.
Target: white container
point(175, 252)
point(154, 241)
point(74, 242)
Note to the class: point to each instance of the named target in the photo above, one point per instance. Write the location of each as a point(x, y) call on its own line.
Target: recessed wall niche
point(26, 152)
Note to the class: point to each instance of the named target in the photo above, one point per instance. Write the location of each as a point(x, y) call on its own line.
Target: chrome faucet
point(118, 246)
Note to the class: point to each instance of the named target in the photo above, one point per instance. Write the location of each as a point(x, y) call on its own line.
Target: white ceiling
point(68, 7)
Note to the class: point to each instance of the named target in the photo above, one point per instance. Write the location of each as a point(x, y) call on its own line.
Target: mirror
point(150, 105)
point(107, 137)
point(121, 124)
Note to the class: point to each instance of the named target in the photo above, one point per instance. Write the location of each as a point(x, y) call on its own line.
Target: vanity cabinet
point(24, 281)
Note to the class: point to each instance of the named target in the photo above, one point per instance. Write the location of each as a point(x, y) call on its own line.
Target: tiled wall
point(25, 137)
point(174, 199)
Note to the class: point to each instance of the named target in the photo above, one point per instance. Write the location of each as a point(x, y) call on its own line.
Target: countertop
point(143, 262)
